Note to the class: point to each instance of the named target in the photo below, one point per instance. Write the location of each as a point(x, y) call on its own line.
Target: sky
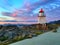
point(26, 11)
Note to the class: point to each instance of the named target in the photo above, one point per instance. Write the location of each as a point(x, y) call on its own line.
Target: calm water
point(49, 38)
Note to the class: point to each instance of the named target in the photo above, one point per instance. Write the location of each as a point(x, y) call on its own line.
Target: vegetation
point(3, 38)
point(38, 33)
point(54, 25)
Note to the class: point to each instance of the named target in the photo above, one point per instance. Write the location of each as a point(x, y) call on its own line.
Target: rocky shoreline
point(12, 33)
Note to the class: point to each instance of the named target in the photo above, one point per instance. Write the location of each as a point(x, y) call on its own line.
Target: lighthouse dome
point(41, 10)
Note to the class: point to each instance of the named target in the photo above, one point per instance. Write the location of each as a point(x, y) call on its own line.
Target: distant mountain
point(55, 22)
point(16, 24)
point(8, 21)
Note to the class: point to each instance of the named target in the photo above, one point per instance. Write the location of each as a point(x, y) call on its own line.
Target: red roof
point(41, 10)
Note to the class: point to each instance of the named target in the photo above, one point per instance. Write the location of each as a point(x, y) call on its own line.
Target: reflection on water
point(49, 38)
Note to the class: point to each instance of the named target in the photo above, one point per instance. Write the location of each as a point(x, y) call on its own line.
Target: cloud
point(27, 14)
point(4, 18)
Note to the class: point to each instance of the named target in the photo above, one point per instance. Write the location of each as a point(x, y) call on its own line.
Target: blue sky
point(29, 8)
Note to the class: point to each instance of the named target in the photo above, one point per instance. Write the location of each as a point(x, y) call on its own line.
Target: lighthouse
point(42, 20)
point(41, 17)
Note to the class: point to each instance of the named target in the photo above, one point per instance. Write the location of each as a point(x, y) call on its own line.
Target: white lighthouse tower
point(42, 20)
point(41, 17)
